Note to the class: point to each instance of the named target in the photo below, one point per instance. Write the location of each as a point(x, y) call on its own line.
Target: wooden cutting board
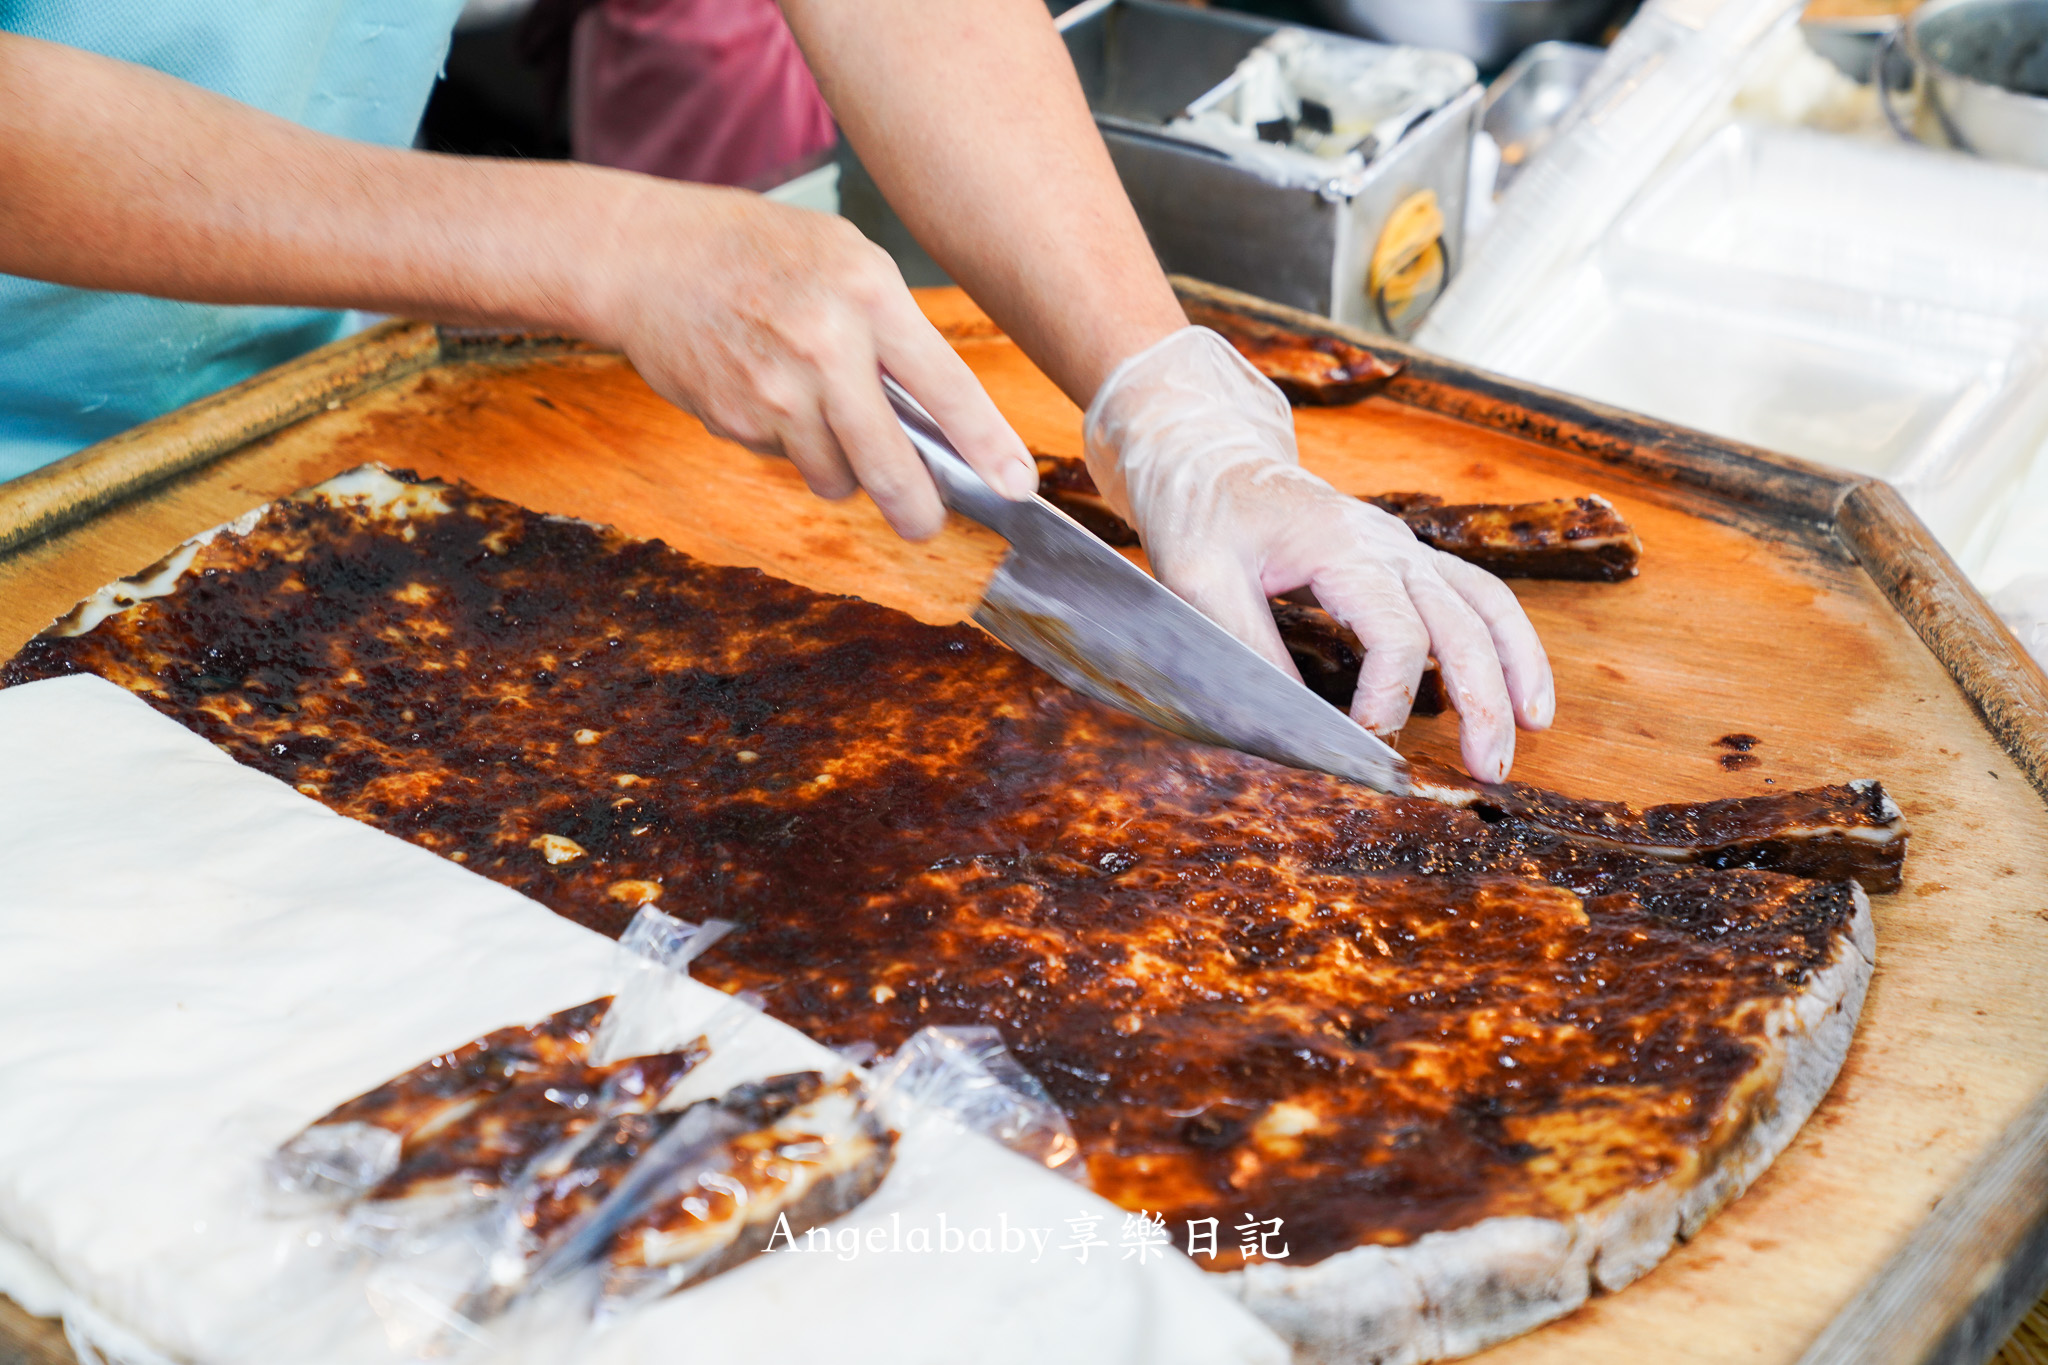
point(1754, 613)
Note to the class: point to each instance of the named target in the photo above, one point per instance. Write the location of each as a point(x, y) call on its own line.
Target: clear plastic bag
point(1312, 111)
point(348, 1152)
point(773, 1160)
point(1675, 62)
point(450, 1224)
point(445, 1128)
point(764, 1165)
point(464, 1167)
point(635, 1208)
point(651, 1194)
point(418, 1170)
point(654, 975)
point(966, 1076)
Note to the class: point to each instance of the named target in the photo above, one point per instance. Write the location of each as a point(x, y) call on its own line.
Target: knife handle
point(960, 488)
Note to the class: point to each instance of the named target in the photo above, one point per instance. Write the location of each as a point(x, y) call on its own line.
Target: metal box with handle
point(1368, 246)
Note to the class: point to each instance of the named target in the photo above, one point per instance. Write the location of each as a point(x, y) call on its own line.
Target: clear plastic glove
point(1196, 449)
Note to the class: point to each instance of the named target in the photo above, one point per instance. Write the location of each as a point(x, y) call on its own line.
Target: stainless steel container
point(1490, 32)
point(1142, 63)
point(1983, 67)
point(1524, 104)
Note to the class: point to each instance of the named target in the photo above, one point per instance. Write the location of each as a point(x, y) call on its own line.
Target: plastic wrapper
point(459, 1124)
point(1305, 109)
point(464, 1164)
point(418, 1168)
point(357, 1145)
point(770, 1161)
point(488, 1195)
point(638, 1206)
point(2023, 605)
point(658, 949)
point(765, 1163)
point(1675, 62)
point(966, 1077)
point(545, 1178)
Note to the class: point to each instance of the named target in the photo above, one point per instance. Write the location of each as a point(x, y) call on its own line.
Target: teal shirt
point(77, 365)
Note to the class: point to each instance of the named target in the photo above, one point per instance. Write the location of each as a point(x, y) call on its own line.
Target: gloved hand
point(1195, 448)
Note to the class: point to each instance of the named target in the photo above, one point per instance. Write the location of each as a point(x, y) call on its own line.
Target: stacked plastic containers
point(1874, 306)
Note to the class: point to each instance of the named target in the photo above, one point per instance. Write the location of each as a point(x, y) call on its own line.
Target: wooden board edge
point(508, 343)
point(26, 1339)
point(1993, 669)
point(1779, 487)
point(1963, 1279)
point(69, 490)
point(1955, 1290)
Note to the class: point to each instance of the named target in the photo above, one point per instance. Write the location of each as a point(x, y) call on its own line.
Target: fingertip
point(1012, 469)
point(917, 529)
point(1382, 713)
point(1016, 479)
point(832, 490)
point(1534, 706)
point(913, 511)
point(1486, 736)
point(1489, 758)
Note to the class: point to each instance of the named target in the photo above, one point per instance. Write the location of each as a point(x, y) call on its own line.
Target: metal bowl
point(1850, 43)
point(1983, 65)
point(1490, 32)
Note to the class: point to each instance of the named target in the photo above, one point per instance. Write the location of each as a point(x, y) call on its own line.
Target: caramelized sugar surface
point(1254, 990)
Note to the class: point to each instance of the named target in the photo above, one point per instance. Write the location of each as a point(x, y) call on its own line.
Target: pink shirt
point(706, 90)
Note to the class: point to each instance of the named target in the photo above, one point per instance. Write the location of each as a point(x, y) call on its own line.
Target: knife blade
point(1082, 612)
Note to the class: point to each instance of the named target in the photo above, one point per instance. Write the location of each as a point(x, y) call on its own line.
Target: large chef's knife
point(1100, 624)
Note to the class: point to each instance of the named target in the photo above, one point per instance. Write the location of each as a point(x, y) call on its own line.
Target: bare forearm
point(970, 118)
point(767, 322)
point(121, 178)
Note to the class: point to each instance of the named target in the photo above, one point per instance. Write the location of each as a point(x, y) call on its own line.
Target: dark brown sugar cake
point(1313, 371)
point(1478, 1050)
point(1580, 538)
